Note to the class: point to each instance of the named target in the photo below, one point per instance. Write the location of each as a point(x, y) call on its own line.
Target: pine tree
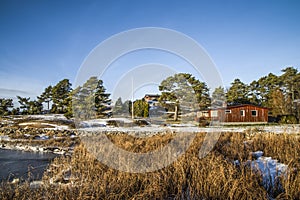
point(69, 111)
point(254, 94)
point(278, 103)
point(102, 100)
point(218, 97)
point(127, 107)
point(119, 108)
point(60, 96)
point(141, 108)
point(35, 107)
point(46, 97)
point(29, 107)
point(237, 93)
point(90, 100)
point(290, 82)
point(183, 93)
point(5, 105)
point(264, 88)
point(24, 104)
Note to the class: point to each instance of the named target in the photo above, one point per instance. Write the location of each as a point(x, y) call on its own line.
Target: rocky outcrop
point(38, 140)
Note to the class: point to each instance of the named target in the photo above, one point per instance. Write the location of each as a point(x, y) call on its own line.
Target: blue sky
point(43, 42)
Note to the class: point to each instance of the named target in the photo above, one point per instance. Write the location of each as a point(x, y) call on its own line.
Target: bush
point(288, 119)
point(141, 122)
point(203, 121)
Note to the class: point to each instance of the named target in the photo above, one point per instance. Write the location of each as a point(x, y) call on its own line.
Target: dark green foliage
point(102, 101)
point(35, 107)
point(5, 105)
point(120, 108)
point(141, 108)
point(261, 90)
point(237, 93)
point(185, 87)
point(46, 97)
point(91, 100)
point(218, 97)
point(57, 95)
point(281, 94)
point(291, 88)
point(23, 101)
point(69, 113)
point(288, 119)
point(183, 93)
point(60, 96)
point(15, 111)
point(29, 107)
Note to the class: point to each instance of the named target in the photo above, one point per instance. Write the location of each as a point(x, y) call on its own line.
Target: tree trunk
point(48, 109)
point(176, 113)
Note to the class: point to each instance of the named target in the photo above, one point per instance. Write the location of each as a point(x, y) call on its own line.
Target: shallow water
point(17, 164)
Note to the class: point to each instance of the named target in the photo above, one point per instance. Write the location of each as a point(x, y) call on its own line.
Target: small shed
point(237, 114)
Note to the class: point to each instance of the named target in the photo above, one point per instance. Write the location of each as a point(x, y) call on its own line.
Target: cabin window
point(242, 113)
point(214, 113)
point(227, 111)
point(254, 113)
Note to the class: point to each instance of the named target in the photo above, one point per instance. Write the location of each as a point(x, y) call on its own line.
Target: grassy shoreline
point(82, 176)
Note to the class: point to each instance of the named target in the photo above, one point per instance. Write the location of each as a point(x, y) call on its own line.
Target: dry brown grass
point(213, 177)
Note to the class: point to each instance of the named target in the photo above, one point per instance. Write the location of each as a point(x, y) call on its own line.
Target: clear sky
point(43, 42)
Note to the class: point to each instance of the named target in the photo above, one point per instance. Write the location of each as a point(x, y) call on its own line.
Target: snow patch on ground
point(42, 137)
point(270, 170)
point(49, 125)
point(154, 129)
point(295, 128)
point(48, 117)
point(102, 125)
point(52, 121)
point(93, 123)
point(4, 138)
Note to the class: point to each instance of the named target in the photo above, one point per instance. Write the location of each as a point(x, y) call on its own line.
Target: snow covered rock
point(270, 170)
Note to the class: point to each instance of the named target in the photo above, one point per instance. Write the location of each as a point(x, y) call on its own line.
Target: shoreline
point(61, 172)
point(62, 142)
point(38, 149)
point(24, 166)
point(38, 140)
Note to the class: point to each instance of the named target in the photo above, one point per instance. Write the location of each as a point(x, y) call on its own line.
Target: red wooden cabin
point(244, 113)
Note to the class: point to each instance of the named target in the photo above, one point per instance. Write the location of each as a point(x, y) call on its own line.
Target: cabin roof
point(244, 105)
point(152, 95)
point(238, 106)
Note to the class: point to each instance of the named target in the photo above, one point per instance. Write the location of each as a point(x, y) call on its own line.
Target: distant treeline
point(280, 94)
point(61, 99)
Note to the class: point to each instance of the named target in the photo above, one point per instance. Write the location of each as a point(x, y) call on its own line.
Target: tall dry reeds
point(214, 177)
